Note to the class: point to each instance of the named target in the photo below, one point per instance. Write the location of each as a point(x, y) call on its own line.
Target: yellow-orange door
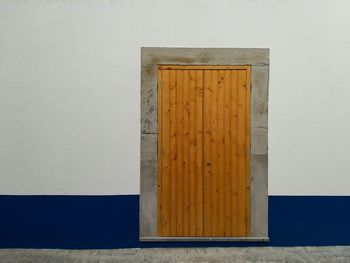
point(203, 151)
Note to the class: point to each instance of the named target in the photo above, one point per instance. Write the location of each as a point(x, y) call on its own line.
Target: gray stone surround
point(151, 57)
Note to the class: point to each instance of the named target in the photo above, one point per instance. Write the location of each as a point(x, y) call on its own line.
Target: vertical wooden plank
point(173, 152)
point(247, 138)
point(207, 153)
point(234, 153)
point(220, 154)
point(214, 174)
point(192, 92)
point(227, 154)
point(199, 152)
point(179, 163)
point(242, 201)
point(186, 151)
point(159, 153)
point(165, 154)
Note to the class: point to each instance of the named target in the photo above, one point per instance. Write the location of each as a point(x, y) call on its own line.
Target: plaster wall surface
point(70, 88)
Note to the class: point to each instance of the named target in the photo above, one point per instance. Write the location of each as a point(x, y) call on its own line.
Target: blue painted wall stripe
point(96, 222)
point(309, 220)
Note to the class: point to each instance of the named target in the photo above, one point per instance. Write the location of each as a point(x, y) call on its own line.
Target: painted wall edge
point(111, 222)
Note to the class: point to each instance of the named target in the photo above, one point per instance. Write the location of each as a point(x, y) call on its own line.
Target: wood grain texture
point(214, 150)
point(233, 157)
point(241, 151)
point(192, 154)
point(186, 153)
point(199, 152)
point(247, 156)
point(159, 152)
point(173, 151)
point(203, 151)
point(165, 155)
point(179, 160)
point(207, 172)
point(227, 153)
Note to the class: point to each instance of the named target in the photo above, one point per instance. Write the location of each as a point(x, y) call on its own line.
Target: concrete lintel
point(211, 56)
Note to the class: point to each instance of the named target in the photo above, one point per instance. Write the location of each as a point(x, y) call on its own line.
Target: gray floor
point(261, 255)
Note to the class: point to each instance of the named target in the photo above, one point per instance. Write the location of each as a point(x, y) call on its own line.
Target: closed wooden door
point(203, 151)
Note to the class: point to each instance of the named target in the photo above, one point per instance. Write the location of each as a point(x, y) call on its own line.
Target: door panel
point(203, 151)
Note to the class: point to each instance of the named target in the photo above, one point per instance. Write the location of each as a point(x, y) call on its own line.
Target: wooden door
point(203, 151)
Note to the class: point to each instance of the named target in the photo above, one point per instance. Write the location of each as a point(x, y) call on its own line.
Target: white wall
point(70, 88)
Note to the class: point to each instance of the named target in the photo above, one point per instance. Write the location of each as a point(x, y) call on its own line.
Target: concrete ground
point(202, 255)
